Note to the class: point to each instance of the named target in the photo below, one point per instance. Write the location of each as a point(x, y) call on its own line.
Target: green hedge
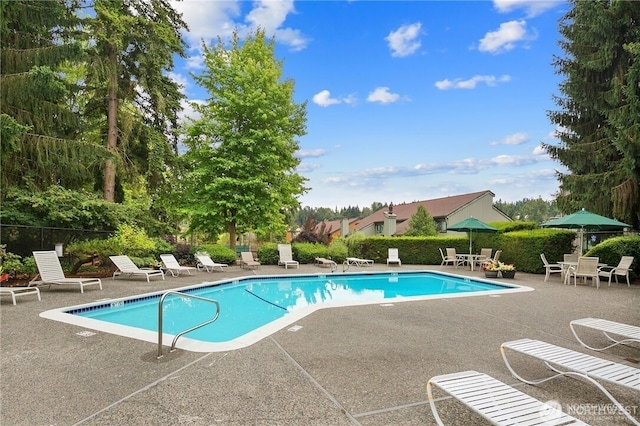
point(611, 250)
point(218, 253)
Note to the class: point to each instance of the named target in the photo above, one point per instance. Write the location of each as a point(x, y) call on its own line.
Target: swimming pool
point(252, 308)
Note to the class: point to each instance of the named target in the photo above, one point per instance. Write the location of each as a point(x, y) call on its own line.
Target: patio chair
point(247, 261)
point(623, 269)
point(496, 401)
point(172, 265)
point(127, 267)
point(205, 262)
point(392, 257)
point(449, 258)
point(550, 268)
point(485, 254)
point(50, 272)
point(587, 267)
point(286, 256)
point(496, 257)
point(15, 292)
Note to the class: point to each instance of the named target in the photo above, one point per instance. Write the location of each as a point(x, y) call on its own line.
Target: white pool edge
point(185, 343)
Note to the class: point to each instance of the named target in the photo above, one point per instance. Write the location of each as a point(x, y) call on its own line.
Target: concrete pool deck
point(360, 365)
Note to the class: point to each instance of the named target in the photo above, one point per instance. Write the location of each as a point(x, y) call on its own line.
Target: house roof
point(331, 226)
point(437, 208)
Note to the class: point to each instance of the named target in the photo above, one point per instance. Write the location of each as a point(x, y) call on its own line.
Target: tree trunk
point(112, 131)
point(231, 228)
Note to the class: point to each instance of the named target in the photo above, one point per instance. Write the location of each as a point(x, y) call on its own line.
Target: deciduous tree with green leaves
point(421, 224)
point(599, 109)
point(240, 163)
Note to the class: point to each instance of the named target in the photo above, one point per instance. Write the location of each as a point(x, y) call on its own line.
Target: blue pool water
point(253, 307)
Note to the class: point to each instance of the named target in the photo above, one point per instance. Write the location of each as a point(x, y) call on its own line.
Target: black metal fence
point(24, 239)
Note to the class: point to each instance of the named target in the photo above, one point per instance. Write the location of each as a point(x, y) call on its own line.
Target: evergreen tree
point(132, 103)
point(241, 152)
point(39, 131)
point(599, 110)
point(421, 224)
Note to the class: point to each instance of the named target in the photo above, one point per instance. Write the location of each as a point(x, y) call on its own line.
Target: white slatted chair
point(485, 254)
point(393, 257)
point(15, 292)
point(127, 267)
point(50, 272)
point(567, 362)
point(358, 262)
point(449, 258)
point(496, 401)
point(622, 270)
point(247, 261)
point(174, 267)
point(550, 268)
point(587, 267)
point(286, 256)
point(630, 333)
point(205, 262)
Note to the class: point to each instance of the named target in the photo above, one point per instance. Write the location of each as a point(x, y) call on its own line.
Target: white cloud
point(532, 7)
point(270, 16)
point(180, 79)
point(310, 153)
point(404, 41)
point(324, 99)
point(505, 38)
point(472, 82)
point(514, 139)
point(383, 96)
point(539, 150)
point(307, 167)
point(208, 20)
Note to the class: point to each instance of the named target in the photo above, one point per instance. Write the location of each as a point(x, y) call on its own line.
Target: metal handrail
point(175, 339)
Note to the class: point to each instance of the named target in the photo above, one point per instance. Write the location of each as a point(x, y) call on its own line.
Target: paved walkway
point(364, 365)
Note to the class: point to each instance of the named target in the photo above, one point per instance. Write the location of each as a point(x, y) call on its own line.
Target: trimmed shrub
point(268, 253)
point(338, 250)
point(218, 253)
point(611, 250)
point(307, 252)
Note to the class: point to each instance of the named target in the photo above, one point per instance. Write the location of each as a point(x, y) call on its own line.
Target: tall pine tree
point(599, 110)
point(39, 131)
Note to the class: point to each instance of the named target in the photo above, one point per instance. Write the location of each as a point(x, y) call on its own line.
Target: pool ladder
point(175, 339)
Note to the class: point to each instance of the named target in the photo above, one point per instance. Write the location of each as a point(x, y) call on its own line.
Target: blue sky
point(407, 100)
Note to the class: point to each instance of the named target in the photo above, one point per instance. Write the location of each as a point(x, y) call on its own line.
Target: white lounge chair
point(550, 268)
point(496, 401)
point(205, 262)
point(15, 292)
point(174, 267)
point(630, 333)
point(286, 256)
point(359, 262)
point(587, 267)
point(247, 261)
point(567, 362)
point(321, 261)
point(392, 257)
point(622, 270)
point(50, 272)
point(127, 267)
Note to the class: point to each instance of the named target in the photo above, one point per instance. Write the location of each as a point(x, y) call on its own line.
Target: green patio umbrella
point(470, 225)
point(585, 220)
